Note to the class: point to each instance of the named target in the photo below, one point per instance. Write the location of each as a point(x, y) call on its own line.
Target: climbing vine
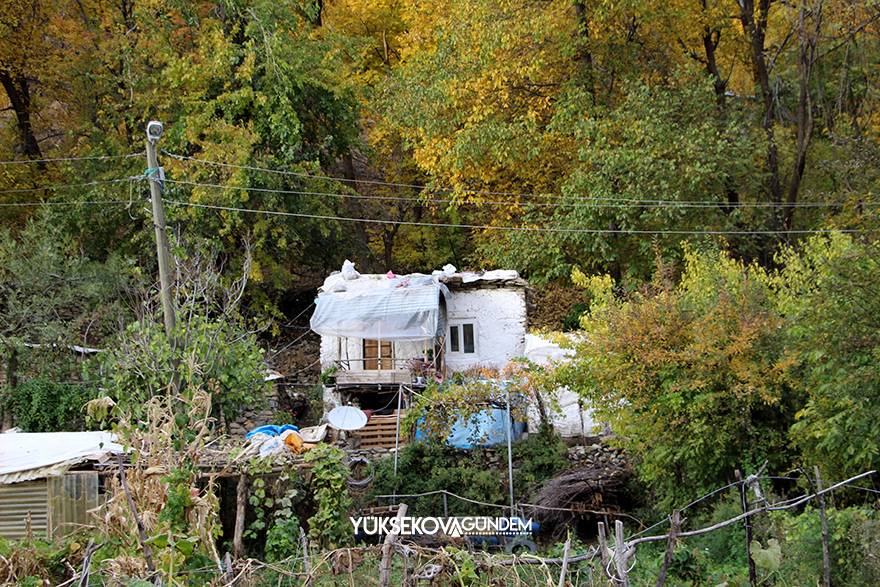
point(273, 499)
point(329, 526)
point(38, 405)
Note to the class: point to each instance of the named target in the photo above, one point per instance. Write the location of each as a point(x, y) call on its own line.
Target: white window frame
point(459, 323)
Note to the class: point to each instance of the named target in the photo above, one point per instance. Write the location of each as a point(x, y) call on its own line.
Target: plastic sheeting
point(483, 429)
point(26, 455)
point(566, 411)
point(399, 311)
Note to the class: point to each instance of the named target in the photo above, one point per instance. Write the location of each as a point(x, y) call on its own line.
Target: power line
point(420, 187)
point(515, 228)
point(594, 203)
point(62, 159)
point(327, 177)
point(67, 185)
point(62, 203)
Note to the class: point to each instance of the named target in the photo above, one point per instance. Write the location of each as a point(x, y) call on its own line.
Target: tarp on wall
point(388, 313)
point(485, 428)
point(568, 413)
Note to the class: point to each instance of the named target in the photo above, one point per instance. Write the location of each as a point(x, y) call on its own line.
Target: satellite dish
point(347, 418)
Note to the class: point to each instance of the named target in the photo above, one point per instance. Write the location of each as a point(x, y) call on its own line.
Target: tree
point(828, 297)
point(690, 376)
point(640, 166)
point(51, 300)
point(213, 350)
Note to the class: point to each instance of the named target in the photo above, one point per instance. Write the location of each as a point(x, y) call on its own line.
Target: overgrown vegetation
point(329, 527)
point(670, 157)
point(730, 365)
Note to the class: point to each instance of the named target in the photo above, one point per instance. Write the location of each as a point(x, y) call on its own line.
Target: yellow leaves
point(256, 272)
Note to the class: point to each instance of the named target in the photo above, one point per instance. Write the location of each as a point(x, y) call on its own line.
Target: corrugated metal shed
point(17, 500)
point(57, 505)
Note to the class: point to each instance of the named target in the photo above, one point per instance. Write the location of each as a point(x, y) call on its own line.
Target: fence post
point(564, 571)
point(826, 558)
point(670, 548)
point(603, 551)
point(307, 565)
point(620, 554)
point(744, 502)
point(241, 495)
point(388, 550)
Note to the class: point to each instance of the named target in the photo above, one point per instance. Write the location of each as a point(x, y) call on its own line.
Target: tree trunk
point(585, 54)
point(711, 38)
point(11, 383)
point(804, 114)
point(18, 92)
point(755, 27)
point(353, 207)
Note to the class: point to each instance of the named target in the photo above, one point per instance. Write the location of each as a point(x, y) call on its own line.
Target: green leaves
point(827, 291)
point(329, 527)
point(213, 355)
point(685, 373)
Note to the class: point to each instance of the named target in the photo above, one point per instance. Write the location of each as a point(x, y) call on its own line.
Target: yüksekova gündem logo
point(432, 526)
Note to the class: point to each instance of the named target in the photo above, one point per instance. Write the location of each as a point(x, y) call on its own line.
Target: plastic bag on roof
point(273, 445)
point(348, 271)
point(449, 269)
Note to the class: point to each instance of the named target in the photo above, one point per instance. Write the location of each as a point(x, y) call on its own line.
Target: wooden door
point(378, 355)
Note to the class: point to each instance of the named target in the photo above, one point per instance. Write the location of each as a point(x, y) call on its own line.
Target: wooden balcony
point(373, 377)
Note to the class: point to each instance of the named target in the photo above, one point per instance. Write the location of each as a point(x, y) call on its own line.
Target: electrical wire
point(67, 185)
point(64, 159)
point(422, 187)
point(578, 203)
point(63, 203)
point(538, 229)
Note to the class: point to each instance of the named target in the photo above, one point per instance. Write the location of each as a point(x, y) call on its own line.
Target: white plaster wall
point(335, 349)
point(499, 315)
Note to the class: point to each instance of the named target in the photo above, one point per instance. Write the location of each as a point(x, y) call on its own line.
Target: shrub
point(329, 527)
point(39, 405)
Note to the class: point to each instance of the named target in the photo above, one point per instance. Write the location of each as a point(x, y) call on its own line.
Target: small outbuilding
point(49, 481)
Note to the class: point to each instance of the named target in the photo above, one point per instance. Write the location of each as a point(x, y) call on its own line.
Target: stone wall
point(287, 399)
point(597, 454)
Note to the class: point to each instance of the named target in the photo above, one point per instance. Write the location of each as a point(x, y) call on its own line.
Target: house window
point(462, 338)
point(378, 355)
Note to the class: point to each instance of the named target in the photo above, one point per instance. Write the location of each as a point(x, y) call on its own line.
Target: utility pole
point(155, 176)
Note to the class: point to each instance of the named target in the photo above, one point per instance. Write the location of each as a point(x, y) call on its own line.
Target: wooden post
point(603, 550)
point(508, 425)
point(87, 562)
point(445, 505)
point(11, 384)
point(240, 515)
point(307, 564)
point(826, 557)
point(396, 431)
point(744, 503)
point(227, 562)
point(388, 550)
point(670, 547)
point(142, 533)
point(564, 571)
point(162, 247)
point(620, 554)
